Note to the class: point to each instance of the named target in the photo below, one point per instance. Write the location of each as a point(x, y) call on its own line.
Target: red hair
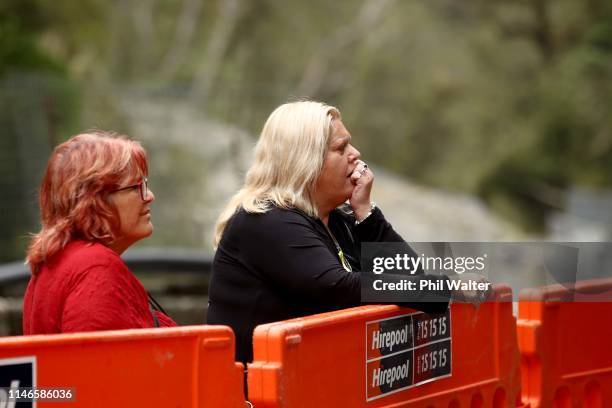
point(74, 193)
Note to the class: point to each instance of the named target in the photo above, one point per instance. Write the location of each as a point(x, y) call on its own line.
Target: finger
point(363, 170)
point(361, 178)
point(358, 171)
point(361, 166)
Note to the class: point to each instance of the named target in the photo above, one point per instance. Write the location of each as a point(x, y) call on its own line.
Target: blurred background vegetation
point(506, 101)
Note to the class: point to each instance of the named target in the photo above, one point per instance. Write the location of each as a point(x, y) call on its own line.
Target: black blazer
point(283, 264)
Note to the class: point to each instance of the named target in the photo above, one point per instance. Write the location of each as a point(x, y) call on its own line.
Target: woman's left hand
point(362, 178)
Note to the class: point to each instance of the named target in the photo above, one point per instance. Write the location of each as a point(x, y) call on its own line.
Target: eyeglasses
point(143, 186)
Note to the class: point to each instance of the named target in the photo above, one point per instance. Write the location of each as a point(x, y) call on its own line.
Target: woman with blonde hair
point(288, 243)
point(94, 203)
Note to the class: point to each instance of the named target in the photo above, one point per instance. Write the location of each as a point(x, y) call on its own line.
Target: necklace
point(345, 264)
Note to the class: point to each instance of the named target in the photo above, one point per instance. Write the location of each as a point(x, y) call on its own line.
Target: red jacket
point(86, 287)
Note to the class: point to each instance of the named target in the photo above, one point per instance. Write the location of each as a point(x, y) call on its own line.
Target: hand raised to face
point(363, 178)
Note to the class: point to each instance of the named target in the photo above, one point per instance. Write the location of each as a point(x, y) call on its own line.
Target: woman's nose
point(150, 196)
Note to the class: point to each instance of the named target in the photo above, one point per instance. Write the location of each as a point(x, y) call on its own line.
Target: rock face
point(196, 164)
point(421, 213)
point(588, 217)
point(177, 136)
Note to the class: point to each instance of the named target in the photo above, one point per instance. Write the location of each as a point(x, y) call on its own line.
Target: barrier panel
point(382, 356)
point(189, 366)
point(564, 339)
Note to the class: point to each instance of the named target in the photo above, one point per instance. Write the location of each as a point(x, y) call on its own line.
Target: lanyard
point(345, 264)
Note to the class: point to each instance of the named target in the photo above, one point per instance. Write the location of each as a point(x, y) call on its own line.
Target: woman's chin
point(145, 232)
point(344, 198)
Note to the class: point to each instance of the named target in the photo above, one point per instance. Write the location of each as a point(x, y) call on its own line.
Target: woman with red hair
point(94, 204)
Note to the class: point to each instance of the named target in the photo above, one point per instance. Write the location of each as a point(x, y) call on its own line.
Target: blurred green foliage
point(38, 104)
point(569, 127)
point(505, 99)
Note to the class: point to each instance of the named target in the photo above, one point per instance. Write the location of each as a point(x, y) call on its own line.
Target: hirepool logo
point(391, 338)
point(406, 350)
point(400, 373)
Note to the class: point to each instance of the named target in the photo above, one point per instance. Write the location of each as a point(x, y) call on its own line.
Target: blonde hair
point(288, 160)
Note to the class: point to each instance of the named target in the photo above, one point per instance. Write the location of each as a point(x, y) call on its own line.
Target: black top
point(283, 264)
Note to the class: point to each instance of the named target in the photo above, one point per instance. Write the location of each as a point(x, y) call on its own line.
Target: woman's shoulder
point(264, 231)
point(80, 254)
point(275, 220)
point(274, 216)
point(80, 262)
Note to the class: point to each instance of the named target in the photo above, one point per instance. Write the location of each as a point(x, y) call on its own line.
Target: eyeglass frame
point(143, 187)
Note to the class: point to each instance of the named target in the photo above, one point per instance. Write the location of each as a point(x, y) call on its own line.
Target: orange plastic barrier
point(175, 367)
point(375, 356)
point(565, 342)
